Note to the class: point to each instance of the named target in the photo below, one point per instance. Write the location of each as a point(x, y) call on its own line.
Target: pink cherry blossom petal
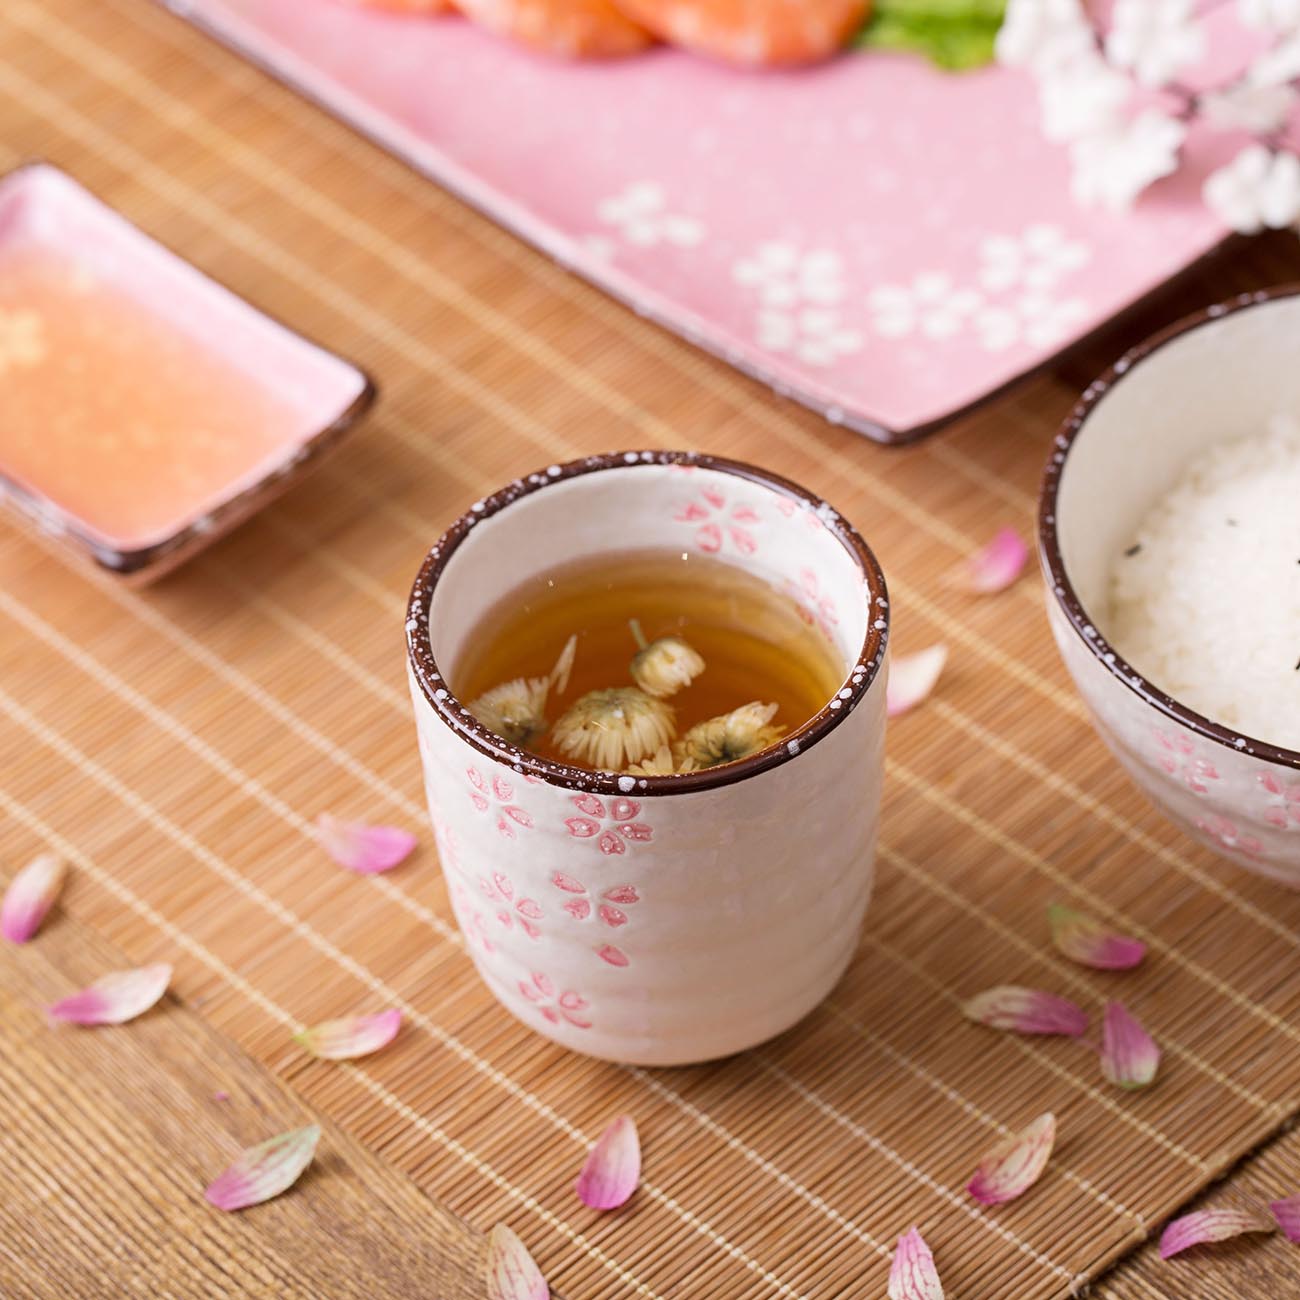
point(622, 894)
point(264, 1170)
point(615, 956)
point(31, 894)
point(1083, 940)
point(367, 850)
point(1287, 1214)
point(511, 1272)
point(345, 1039)
point(568, 883)
point(1204, 1226)
point(1014, 1165)
point(912, 678)
point(116, 998)
point(994, 567)
point(1026, 1011)
point(613, 1168)
point(1129, 1055)
point(582, 828)
point(912, 1276)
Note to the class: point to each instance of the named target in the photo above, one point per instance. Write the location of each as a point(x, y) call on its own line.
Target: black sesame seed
point(1137, 546)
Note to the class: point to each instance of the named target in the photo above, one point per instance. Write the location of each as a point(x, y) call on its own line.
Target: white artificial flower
point(1259, 109)
point(1155, 39)
point(1082, 96)
point(1039, 34)
point(1270, 15)
point(1257, 189)
point(1279, 65)
point(1112, 168)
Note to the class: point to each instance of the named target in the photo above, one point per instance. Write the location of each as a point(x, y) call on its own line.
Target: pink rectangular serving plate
point(884, 242)
point(44, 209)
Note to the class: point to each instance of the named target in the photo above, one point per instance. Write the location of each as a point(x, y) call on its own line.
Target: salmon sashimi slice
point(753, 33)
point(574, 28)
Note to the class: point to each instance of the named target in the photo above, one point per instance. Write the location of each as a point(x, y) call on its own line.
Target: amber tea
point(649, 662)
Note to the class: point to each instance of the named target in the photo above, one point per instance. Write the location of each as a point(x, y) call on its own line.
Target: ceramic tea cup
point(1224, 373)
point(656, 920)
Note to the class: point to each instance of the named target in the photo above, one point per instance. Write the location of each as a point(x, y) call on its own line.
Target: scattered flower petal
point(1204, 1226)
point(995, 567)
point(1027, 1011)
point(31, 894)
point(361, 848)
point(265, 1170)
point(342, 1040)
point(116, 998)
point(1129, 1055)
point(1014, 1165)
point(1287, 1214)
point(612, 1170)
point(912, 1275)
point(221, 1095)
point(912, 678)
point(511, 1271)
point(1083, 940)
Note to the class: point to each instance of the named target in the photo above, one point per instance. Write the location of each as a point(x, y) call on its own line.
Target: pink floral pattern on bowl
point(1179, 759)
point(1283, 802)
point(484, 792)
point(614, 829)
point(720, 527)
point(499, 889)
point(569, 1006)
point(609, 910)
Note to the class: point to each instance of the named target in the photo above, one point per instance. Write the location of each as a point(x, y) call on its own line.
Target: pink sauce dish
point(144, 409)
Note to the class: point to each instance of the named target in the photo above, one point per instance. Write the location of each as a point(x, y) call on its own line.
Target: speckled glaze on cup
point(660, 920)
point(1221, 374)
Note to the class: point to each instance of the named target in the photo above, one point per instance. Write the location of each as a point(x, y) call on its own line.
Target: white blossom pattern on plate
point(639, 212)
point(1014, 302)
point(1039, 258)
point(784, 277)
point(931, 305)
point(798, 292)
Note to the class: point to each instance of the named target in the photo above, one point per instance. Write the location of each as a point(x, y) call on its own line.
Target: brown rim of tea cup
point(857, 679)
point(1049, 546)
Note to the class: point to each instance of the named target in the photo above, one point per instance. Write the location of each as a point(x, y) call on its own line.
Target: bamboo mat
point(175, 744)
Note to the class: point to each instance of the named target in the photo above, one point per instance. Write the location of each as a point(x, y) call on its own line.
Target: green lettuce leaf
point(954, 34)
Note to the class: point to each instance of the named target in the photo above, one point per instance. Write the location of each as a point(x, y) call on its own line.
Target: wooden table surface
point(110, 1135)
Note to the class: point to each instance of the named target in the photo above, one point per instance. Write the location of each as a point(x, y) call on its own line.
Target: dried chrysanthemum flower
point(516, 710)
point(610, 729)
point(734, 735)
point(662, 668)
point(661, 763)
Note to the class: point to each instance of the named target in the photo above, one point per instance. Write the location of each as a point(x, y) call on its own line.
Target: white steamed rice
point(1205, 602)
